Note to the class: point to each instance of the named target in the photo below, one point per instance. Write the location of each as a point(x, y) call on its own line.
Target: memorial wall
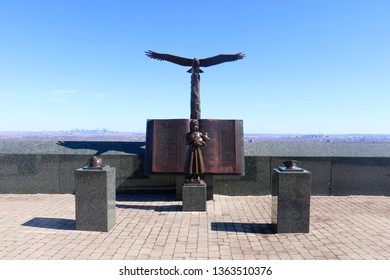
point(337, 169)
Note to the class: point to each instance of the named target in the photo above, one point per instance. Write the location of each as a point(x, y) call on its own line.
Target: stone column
point(291, 190)
point(95, 198)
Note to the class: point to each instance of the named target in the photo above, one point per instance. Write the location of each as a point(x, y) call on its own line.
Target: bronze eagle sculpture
point(195, 70)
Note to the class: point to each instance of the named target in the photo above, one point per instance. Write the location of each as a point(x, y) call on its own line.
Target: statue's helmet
point(96, 161)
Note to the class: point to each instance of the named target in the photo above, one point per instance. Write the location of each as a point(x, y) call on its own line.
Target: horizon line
point(138, 132)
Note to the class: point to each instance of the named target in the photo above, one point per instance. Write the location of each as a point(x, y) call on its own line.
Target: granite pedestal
point(95, 199)
point(291, 190)
point(194, 196)
point(209, 180)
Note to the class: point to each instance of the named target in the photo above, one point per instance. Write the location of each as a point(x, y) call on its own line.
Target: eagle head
point(195, 63)
point(195, 66)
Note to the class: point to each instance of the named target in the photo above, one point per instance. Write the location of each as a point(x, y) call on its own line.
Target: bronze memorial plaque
point(166, 146)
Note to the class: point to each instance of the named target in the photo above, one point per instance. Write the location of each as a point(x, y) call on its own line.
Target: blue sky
point(310, 66)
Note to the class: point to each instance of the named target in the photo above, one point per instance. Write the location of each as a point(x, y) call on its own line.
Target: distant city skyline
point(107, 135)
point(311, 67)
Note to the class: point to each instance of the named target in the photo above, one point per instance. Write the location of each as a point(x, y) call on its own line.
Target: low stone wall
point(337, 169)
point(330, 176)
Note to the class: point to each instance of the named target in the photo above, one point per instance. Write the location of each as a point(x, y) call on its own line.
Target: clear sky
point(310, 67)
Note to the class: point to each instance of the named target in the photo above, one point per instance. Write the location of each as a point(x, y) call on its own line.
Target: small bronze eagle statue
point(195, 70)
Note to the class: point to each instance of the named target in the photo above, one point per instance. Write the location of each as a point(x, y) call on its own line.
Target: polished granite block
point(361, 176)
point(113, 160)
point(255, 181)
point(95, 199)
point(132, 177)
point(320, 168)
point(132, 166)
point(179, 186)
point(337, 169)
point(194, 196)
point(209, 180)
point(68, 163)
point(29, 173)
point(291, 200)
point(292, 150)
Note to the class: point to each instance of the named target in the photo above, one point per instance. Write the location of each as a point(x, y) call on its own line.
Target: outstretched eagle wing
point(169, 57)
point(210, 61)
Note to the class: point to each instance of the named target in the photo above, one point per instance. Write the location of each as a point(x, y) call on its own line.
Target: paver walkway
point(154, 227)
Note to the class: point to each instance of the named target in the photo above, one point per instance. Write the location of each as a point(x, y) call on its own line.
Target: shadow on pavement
point(51, 223)
point(146, 197)
point(242, 227)
point(166, 208)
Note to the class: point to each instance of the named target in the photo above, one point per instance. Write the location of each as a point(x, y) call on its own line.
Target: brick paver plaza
point(154, 227)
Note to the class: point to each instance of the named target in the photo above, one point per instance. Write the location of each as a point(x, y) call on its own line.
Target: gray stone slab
point(47, 167)
point(24, 173)
point(153, 182)
point(179, 186)
point(209, 180)
point(133, 166)
point(256, 181)
point(133, 178)
point(360, 176)
point(95, 199)
point(194, 197)
point(272, 149)
point(291, 201)
point(277, 149)
point(320, 168)
point(68, 163)
point(127, 168)
point(113, 161)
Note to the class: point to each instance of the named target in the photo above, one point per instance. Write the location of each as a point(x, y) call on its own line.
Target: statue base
point(209, 180)
point(194, 196)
